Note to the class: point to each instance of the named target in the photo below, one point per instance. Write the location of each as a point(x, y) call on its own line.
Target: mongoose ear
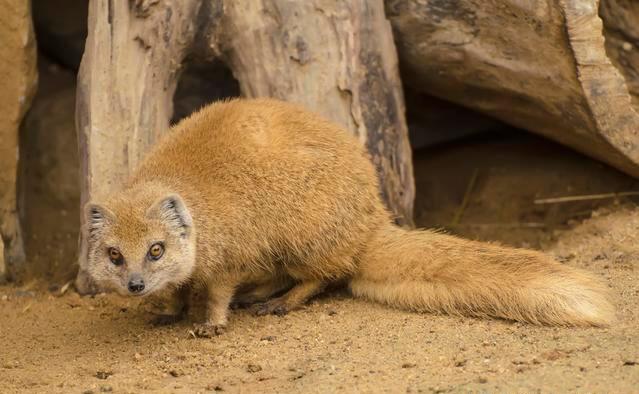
point(97, 217)
point(173, 211)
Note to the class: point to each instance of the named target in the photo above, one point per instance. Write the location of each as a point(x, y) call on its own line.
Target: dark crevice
point(200, 84)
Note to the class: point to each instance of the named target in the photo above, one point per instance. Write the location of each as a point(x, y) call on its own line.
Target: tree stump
point(539, 65)
point(337, 59)
point(18, 80)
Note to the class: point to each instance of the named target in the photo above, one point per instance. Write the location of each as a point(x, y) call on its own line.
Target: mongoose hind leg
point(218, 302)
point(261, 292)
point(171, 309)
point(292, 299)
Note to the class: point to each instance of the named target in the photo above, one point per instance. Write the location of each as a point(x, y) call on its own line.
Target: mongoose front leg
point(171, 309)
point(219, 300)
point(293, 299)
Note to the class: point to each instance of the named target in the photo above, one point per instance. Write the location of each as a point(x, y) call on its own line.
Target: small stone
point(175, 373)
point(409, 365)
point(103, 374)
point(554, 355)
point(630, 363)
point(482, 380)
point(252, 368)
point(626, 46)
point(269, 338)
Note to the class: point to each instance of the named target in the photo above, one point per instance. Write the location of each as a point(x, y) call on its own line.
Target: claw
point(267, 308)
point(280, 310)
point(208, 330)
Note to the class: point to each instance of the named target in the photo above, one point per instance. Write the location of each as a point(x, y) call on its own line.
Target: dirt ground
point(53, 342)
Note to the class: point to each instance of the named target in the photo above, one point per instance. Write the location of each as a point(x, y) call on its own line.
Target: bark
point(18, 79)
point(336, 58)
point(540, 65)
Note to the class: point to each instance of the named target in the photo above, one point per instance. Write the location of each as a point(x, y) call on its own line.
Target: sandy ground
point(53, 343)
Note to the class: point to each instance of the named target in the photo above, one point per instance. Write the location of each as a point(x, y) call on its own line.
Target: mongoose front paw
point(208, 330)
point(270, 307)
point(165, 320)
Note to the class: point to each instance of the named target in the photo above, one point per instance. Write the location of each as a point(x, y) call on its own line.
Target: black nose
point(136, 285)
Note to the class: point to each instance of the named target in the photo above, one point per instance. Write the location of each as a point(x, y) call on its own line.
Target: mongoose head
point(140, 242)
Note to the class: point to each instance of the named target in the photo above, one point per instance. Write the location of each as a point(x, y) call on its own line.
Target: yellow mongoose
point(263, 192)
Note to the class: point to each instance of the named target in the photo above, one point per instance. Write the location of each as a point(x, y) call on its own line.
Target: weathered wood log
point(540, 65)
point(18, 80)
point(135, 49)
point(621, 29)
point(126, 82)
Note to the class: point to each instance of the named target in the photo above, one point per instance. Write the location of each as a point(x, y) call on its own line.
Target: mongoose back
point(264, 192)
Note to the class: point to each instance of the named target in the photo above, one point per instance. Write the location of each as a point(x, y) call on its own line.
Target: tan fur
point(260, 191)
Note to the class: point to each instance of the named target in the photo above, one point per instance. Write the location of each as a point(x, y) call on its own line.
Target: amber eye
point(115, 256)
point(156, 251)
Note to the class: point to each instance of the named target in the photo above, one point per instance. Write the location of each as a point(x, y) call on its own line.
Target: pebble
point(175, 373)
point(103, 374)
point(252, 368)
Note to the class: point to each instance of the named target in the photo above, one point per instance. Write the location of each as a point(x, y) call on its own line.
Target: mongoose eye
point(115, 256)
point(156, 251)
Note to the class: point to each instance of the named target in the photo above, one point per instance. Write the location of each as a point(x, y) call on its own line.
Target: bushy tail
point(433, 272)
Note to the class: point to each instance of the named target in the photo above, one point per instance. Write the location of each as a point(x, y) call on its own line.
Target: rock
point(103, 374)
point(18, 81)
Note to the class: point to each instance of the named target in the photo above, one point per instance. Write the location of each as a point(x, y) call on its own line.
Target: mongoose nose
point(136, 285)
